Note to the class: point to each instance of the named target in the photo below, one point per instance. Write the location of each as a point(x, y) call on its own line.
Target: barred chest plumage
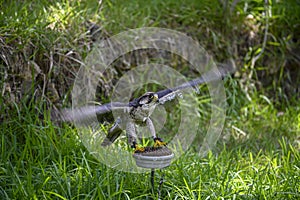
point(144, 107)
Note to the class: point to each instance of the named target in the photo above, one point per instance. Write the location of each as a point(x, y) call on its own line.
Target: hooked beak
point(155, 98)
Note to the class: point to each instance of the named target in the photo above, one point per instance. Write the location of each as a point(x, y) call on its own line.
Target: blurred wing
point(83, 113)
point(212, 75)
point(113, 133)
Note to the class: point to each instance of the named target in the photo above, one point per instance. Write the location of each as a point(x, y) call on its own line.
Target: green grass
point(41, 161)
point(257, 156)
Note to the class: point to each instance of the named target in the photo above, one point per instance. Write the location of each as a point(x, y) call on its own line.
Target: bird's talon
point(158, 142)
point(139, 149)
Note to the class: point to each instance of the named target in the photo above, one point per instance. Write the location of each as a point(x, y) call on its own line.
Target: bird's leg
point(157, 141)
point(132, 137)
point(151, 127)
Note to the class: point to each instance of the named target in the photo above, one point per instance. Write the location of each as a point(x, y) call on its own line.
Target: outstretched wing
point(83, 113)
point(212, 75)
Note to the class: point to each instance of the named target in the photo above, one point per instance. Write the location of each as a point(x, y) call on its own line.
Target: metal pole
point(152, 179)
point(160, 185)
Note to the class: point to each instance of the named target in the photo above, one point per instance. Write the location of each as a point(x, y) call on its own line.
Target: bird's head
point(148, 98)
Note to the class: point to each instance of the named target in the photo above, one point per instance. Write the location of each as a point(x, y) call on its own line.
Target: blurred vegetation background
point(43, 43)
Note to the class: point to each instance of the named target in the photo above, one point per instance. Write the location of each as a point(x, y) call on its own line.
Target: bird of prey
point(139, 110)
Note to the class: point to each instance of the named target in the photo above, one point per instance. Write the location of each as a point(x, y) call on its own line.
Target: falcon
point(139, 110)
